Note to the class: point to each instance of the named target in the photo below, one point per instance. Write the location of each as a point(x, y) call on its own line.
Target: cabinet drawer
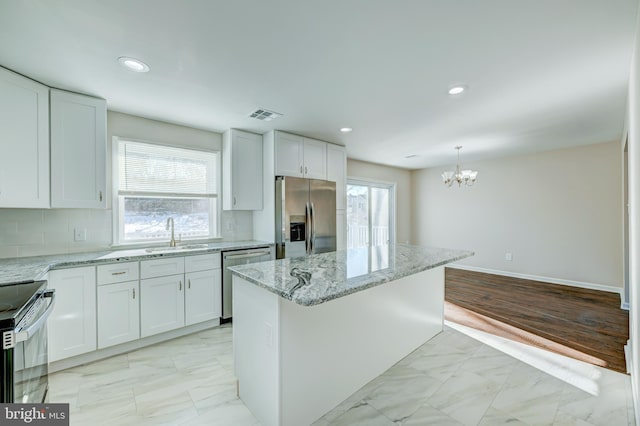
point(202, 262)
point(161, 267)
point(117, 273)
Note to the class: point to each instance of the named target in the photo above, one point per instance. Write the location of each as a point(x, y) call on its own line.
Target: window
point(370, 208)
point(155, 182)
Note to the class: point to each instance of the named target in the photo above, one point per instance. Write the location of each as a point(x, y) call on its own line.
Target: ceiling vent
point(265, 115)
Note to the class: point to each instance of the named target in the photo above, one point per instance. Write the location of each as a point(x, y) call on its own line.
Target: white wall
point(633, 122)
point(402, 179)
point(558, 212)
point(32, 232)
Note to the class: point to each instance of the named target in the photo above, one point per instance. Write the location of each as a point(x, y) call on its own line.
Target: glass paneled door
point(369, 214)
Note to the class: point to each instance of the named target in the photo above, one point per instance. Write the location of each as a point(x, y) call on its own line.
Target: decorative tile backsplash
point(32, 232)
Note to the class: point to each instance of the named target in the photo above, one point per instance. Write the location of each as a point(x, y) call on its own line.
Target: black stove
point(15, 300)
point(24, 309)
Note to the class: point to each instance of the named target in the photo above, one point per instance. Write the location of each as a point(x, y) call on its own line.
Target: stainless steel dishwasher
point(239, 257)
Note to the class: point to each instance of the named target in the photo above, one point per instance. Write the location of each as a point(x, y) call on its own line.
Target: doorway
point(370, 213)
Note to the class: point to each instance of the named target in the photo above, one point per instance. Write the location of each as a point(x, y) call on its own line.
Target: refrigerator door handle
point(307, 229)
point(313, 227)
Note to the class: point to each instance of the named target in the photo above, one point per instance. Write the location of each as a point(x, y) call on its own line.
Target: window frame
point(371, 183)
point(117, 201)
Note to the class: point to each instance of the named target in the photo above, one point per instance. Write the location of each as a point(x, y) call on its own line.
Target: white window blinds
point(157, 169)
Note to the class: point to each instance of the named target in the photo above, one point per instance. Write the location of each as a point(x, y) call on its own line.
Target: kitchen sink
point(176, 248)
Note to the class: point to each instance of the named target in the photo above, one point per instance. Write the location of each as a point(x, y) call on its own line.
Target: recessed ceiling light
point(456, 90)
point(133, 64)
point(346, 129)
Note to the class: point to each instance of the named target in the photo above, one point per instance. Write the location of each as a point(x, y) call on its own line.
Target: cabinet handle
point(305, 170)
point(100, 195)
point(234, 201)
point(180, 287)
point(300, 169)
point(189, 282)
point(134, 293)
point(119, 273)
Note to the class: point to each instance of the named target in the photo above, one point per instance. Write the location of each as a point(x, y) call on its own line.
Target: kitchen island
point(308, 332)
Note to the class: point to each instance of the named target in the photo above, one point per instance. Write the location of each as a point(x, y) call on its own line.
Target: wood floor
point(584, 324)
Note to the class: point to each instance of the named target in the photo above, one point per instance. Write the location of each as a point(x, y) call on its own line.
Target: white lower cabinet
point(161, 304)
point(202, 298)
point(108, 305)
point(118, 313)
point(72, 324)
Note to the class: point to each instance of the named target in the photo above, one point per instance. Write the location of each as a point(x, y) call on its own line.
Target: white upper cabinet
point(337, 172)
point(242, 170)
point(300, 157)
point(24, 142)
point(289, 155)
point(315, 159)
point(78, 150)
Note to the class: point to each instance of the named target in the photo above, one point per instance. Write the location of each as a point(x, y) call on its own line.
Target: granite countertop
point(328, 276)
point(28, 269)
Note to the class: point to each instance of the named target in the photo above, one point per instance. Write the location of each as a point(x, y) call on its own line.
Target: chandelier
point(467, 177)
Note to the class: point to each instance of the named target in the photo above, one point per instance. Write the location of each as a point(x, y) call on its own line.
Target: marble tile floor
point(453, 379)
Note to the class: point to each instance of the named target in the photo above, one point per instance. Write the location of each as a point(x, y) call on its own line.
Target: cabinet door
point(118, 313)
point(161, 304)
point(341, 229)
point(202, 297)
point(78, 150)
point(289, 155)
point(315, 159)
point(72, 324)
point(337, 172)
point(24, 142)
point(242, 170)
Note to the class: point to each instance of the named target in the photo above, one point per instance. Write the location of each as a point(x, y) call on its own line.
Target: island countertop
point(328, 276)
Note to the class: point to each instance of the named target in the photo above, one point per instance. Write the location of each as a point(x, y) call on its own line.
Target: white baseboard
point(99, 354)
point(625, 306)
point(580, 284)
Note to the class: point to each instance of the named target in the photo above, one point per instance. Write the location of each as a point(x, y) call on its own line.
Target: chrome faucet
point(172, 242)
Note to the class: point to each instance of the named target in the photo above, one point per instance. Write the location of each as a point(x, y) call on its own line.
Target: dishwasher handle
point(25, 333)
point(246, 255)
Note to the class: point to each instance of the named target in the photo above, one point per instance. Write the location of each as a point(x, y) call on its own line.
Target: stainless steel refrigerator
point(305, 216)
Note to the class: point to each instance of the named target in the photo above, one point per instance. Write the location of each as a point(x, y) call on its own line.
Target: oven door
point(30, 354)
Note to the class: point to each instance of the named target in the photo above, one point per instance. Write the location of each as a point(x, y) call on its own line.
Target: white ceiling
point(541, 74)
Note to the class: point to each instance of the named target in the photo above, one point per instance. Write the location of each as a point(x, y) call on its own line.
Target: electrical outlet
point(79, 234)
point(508, 257)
